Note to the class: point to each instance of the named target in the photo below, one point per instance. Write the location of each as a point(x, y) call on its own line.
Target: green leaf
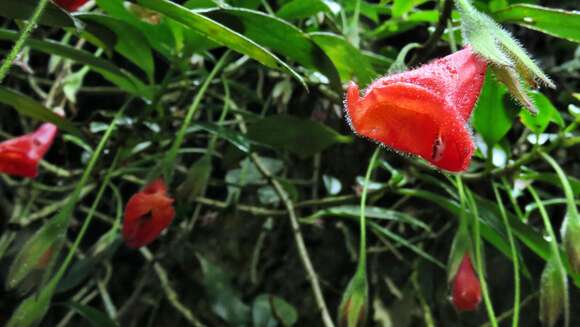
point(124, 80)
point(547, 113)
point(130, 43)
point(196, 179)
point(40, 247)
point(160, 31)
point(23, 9)
point(220, 34)
point(395, 26)
point(353, 211)
point(31, 310)
point(557, 22)
point(401, 7)
point(282, 38)
point(298, 9)
point(268, 309)
point(95, 317)
point(349, 61)
point(494, 115)
point(492, 226)
point(553, 290)
point(225, 301)
point(301, 137)
point(236, 138)
point(29, 107)
point(284, 311)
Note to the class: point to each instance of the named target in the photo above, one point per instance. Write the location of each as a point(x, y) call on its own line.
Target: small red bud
point(70, 5)
point(466, 293)
point(147, 214)
point(571, 240)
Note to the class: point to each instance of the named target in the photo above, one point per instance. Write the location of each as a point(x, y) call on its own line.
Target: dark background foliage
point(230, 257)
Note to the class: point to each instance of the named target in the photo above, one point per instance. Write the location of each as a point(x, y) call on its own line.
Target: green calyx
point(509, 60)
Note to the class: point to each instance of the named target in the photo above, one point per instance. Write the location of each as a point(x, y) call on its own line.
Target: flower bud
point(70, 5)
point(552, 294)
point(353, 307)
point(466, 292)
point(571, 240)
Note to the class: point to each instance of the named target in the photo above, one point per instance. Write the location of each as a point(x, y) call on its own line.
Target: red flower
point(466, 292)
point(70, 5)
point(147, 214)
point(20, 156)
point(423, 112)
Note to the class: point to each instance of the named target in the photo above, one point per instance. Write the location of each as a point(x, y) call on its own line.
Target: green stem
point(565, 184)
point(555, 252)
point(169, 161)
point(479, 260)
point(362, 262)
point(9, 60)
point(515, 258)
point(87, 222)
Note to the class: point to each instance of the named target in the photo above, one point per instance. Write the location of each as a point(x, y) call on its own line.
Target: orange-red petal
point(70, 5)
point(423, 112)
point(20, 156)
point(147, 214)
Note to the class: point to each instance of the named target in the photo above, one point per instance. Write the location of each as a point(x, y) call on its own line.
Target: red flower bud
point(147, 214)
point(423, 112)
point(20, 156)
point(466, 292)
point(70, 5)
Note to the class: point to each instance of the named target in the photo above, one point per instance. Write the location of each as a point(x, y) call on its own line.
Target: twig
point(314, 283)
point(429, 45)
point(170, 293)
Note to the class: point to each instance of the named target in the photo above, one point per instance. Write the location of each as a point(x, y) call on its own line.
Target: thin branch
point(429, 45)
point(304, 256)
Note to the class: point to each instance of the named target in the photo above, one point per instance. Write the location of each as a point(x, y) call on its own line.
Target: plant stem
point(515, 258)
point(9, 60)
point(169, 160)
point(362, 261)
point(315, 284)
point(479, 257)
point(555, 252)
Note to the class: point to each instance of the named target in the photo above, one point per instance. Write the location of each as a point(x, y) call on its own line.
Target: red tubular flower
point(70, 5)
point(423, 112)
point(20, 156)
point(466, 292)
point(147, 214)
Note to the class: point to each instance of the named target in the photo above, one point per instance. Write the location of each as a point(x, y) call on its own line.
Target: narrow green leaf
point(236, 138)
point(27, 106)
point(130, 43)
point(299, 9)
point(301, 137)
point(196, 179)
point(23, 9)
point(282, 38)
point(349, 61)
point(95, 317)
point(353, 211)
point(220, 34)
point(123, 79)
point(557, 22)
